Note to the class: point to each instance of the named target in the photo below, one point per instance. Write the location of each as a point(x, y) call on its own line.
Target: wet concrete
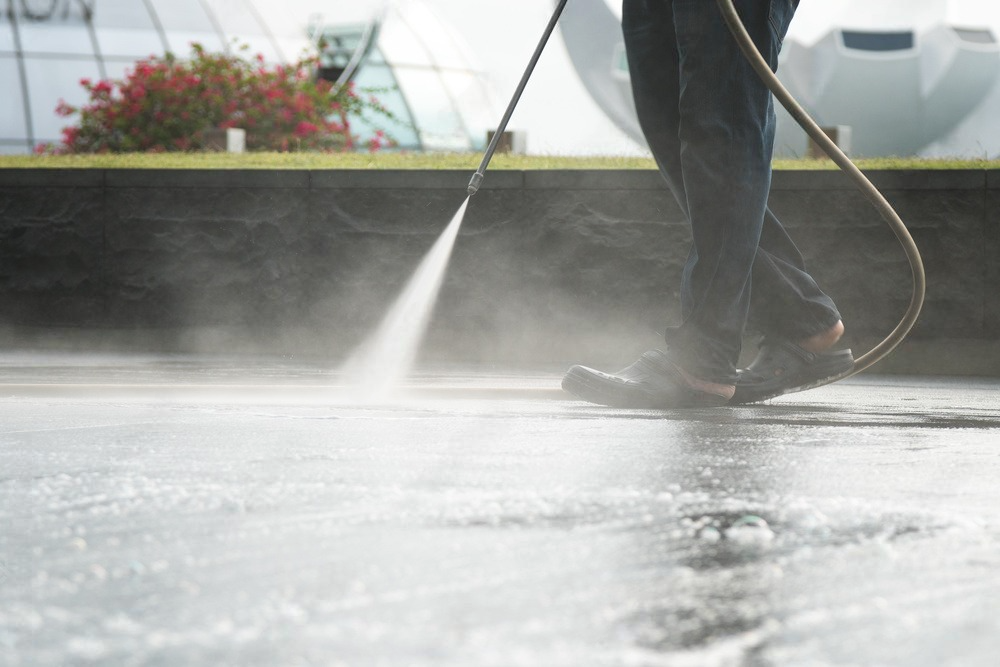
point(181, 511)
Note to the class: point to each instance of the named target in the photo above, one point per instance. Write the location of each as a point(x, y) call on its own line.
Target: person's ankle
point(823, 340)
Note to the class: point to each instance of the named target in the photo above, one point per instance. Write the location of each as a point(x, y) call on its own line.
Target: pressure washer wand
point(477, 178)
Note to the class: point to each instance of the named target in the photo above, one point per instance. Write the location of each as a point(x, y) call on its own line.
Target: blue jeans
point(709, 122)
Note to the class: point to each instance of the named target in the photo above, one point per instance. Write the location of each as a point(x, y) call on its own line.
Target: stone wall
point(550, 266)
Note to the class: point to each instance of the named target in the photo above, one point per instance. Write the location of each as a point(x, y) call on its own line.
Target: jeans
point(710, 122)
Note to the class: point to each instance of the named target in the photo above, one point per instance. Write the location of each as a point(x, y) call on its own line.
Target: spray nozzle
point(477, 180)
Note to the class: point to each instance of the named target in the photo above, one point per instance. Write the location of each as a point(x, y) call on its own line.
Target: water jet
point(383, 361)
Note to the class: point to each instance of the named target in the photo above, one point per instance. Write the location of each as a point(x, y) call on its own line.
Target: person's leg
point(655, 380)
point(710, 124)
point(786, 302)
point(654, 67)
point(726, 135)
point(799, 322)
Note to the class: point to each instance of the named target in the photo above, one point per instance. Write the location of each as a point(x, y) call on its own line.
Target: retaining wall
point(550, 266)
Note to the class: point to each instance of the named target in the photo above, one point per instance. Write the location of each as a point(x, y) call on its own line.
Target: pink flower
point(304, 129)
point(64, 109)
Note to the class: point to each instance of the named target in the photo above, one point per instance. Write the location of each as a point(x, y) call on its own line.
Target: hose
point(763, 70)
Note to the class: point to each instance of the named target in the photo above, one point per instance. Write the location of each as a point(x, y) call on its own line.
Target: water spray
point(378, 367)
point(385, 359)
point(477, 178)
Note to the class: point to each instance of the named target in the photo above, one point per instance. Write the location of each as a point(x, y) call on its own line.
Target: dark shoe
point(784, 367)
point(652, 382)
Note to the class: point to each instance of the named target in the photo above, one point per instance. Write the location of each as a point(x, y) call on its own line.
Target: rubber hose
point(769, 78)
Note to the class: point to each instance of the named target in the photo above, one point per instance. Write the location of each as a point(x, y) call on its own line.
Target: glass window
point(50, 80)
point(235, 17)
point(47, 37)
point(122, 14)
point(185, 21)
point(137, 43)
point(115, 69)
point(50, 11)
point(295, 49)
point(975, 36)
point(6, 34)
point(12, 125)
point(432, 35)
point(620, 62)
point(878, 41)
point(374, 73)
point(473, 101)
point(465, 89)
point(255, 44)
point(401, 130)
point(286, 19)
point(125, 28)
point(14, 147)
point(337, 48)
point(375, 57)
point(179, 42)
point(184, 15)
point(291, 20)
point(400, 46)
point(438, 122)
point(239, 21)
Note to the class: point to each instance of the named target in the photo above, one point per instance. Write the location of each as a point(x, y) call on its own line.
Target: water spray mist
point(383, 361)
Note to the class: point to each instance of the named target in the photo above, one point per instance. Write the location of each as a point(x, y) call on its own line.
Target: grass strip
point(388, 160)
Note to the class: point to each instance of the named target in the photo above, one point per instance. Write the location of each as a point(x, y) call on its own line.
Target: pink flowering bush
point(166, 104)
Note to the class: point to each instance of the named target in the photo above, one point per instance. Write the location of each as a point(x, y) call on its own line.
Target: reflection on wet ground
point(202, 511)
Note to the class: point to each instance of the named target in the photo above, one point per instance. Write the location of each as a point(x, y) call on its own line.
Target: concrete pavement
point(182, 510)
